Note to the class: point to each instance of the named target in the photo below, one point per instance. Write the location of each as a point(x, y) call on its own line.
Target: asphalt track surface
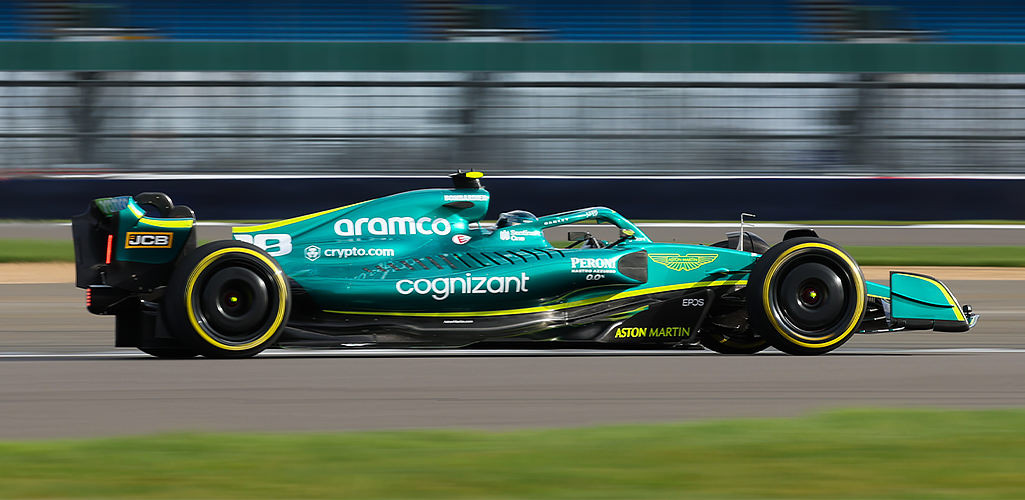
point(59, 377)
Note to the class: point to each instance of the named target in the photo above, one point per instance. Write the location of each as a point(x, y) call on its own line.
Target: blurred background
point(519, 87)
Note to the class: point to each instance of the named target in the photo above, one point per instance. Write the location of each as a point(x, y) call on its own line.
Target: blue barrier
point(637, 198)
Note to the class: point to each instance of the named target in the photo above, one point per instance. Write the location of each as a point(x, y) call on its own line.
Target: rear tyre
point(227, 299)
point(806, 296)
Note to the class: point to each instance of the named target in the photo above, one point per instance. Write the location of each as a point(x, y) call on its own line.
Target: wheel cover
point(812, 297)
point(236, 298)
point(233, 302)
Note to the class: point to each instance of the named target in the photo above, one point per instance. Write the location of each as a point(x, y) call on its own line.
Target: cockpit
point(514, 218)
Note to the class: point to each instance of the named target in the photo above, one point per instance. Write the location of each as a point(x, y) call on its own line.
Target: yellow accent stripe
point(630, 313)
point(282, 297)
point(293, 220)
point(528, 310)
point(878, 296)
point(172, 223)
point(137, 210)
point(950, 300)
point(859, 287)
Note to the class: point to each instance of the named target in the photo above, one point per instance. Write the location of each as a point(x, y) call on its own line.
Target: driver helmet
point(515, 217)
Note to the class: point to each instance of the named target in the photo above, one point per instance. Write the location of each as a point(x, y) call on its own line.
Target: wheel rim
point(811, 296)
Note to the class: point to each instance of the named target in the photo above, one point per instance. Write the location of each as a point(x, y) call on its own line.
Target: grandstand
point(958, 21)
point(568, 20)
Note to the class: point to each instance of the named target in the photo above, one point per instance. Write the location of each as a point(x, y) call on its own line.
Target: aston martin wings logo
point(678, 262)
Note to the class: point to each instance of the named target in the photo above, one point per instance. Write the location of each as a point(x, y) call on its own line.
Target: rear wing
point(131, 242)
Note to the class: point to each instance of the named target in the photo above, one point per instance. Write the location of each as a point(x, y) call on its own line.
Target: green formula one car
point(420, 269)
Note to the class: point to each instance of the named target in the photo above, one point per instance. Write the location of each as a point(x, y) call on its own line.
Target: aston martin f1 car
point(420, 268)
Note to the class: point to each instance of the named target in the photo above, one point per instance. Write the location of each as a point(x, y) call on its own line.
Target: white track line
point(1000, 312)
point(421, 353)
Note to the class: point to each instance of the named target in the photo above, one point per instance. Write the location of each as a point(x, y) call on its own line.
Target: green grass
point(36, 251)
point(999, 256)
point(855, 454)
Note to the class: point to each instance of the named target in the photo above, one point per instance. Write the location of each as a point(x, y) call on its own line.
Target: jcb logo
point(148, 240)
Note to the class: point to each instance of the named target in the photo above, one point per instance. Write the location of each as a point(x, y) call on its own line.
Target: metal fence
point(511, 123)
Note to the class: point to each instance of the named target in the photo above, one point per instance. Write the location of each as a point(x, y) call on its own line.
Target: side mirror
point(626, 234)
point(578, 235)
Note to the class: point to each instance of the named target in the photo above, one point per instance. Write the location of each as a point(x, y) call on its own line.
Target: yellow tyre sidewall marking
point(859, 287)
point(282, 296)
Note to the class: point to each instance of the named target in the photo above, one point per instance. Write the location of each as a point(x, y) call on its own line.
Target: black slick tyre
point(806, 296)
point(227, 299)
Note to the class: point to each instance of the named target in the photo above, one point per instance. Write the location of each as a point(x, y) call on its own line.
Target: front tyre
point(806, 296)
point(227, 299)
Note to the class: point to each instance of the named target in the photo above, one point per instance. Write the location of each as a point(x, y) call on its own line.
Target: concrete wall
point(636, 198)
